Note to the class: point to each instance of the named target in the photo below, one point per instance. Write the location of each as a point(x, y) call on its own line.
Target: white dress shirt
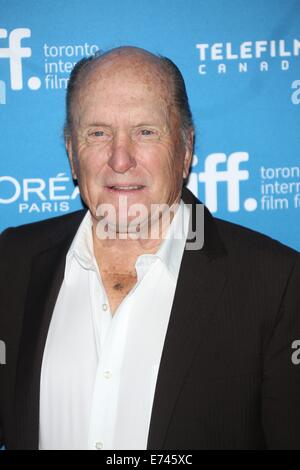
point(99, 371)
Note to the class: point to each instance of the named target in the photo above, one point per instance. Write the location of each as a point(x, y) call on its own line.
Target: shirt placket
point(111, 337)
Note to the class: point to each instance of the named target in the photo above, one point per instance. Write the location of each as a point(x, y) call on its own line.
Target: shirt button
point(99, 445)
point(104, 307)
point(107, 374)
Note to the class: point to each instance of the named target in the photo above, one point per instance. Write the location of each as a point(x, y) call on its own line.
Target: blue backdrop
point(241, 63)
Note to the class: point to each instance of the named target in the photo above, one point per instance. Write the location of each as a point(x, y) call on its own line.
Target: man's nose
point(122, 154)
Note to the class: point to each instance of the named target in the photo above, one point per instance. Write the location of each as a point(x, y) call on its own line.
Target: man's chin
point(126, 229)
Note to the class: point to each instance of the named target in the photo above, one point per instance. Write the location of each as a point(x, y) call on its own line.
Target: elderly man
point(116, 339)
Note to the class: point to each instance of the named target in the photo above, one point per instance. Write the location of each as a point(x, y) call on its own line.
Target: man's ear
point(189, 151)
point(70, 152)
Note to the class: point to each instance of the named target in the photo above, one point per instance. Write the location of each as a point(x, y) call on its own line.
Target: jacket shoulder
point(242, 239)
point(35, 234)
point(237, 239)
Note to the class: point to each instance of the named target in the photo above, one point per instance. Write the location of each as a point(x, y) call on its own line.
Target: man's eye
point(147, 135)
point(98, 134)
point(146, 132)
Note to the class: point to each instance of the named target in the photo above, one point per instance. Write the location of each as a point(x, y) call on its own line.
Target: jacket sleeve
point(281, 375)
point(1, 347)
point(3, 273)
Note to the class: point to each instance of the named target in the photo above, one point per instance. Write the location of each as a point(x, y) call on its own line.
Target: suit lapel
point(200, 283)
point(47, 273)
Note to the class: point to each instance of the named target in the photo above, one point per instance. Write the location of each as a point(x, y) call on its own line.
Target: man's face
point(127, 140)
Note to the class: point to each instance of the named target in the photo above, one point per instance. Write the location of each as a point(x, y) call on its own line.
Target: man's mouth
point(126, 187)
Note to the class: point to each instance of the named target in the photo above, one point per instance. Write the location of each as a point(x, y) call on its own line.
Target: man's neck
point(119, 254)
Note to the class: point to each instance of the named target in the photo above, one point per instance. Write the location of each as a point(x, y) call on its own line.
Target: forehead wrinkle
point(136, 108)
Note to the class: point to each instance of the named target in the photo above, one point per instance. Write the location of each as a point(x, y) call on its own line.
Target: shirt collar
point(170, 251)
point(81, 248)
point(172, 247)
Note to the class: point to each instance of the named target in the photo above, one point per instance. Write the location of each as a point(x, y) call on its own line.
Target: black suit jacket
point(226, 378)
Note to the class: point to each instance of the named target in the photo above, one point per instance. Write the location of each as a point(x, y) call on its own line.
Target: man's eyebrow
point(146, 123)
point(105, 124)
point(97, 124)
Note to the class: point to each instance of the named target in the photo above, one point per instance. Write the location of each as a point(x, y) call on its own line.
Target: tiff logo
point(2, 352)
point(232, 176)
point(15, 52)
